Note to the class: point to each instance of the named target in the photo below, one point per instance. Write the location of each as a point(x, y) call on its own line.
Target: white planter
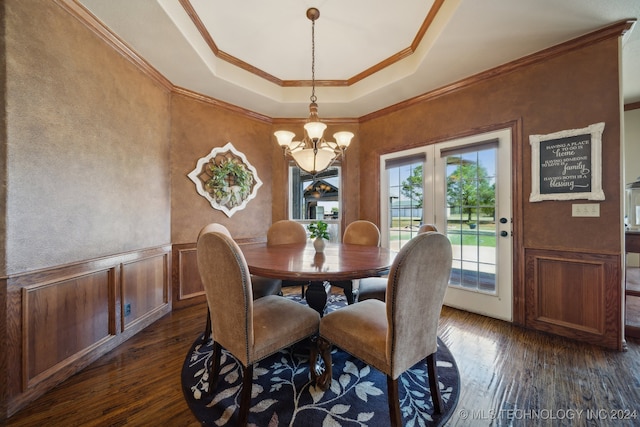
point(318, 244)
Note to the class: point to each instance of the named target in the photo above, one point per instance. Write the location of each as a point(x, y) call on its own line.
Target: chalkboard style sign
point(567, 165)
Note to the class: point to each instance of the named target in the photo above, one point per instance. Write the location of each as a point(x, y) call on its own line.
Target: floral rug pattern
point(283, 394)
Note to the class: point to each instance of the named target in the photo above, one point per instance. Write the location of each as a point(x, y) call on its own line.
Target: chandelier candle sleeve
point(313, 154)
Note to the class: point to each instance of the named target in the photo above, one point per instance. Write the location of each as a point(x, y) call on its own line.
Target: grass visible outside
point(459, 234)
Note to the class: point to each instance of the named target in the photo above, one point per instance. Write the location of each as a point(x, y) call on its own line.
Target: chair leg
point(207, 328)
point(436, 397)
point(320, 377)
point(215, 366)
point(395, 414)
point(245, 399)
point(348, 291)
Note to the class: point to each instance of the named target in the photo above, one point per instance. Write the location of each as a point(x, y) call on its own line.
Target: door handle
point(504, 233)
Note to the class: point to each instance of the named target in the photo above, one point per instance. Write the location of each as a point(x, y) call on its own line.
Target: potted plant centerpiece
point(319, 233)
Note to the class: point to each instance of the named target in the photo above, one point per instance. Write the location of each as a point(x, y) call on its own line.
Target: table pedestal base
point(316, 296)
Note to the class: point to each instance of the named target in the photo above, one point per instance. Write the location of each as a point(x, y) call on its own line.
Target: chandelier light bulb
point(343, 139)
point(315, 130)
point(284, 137)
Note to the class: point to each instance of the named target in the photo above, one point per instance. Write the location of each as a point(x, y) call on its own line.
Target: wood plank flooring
point(510, 376)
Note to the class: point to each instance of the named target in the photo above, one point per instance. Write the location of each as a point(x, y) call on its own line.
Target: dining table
point(300, 262)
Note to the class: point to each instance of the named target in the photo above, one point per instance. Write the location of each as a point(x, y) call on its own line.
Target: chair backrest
point(286, 231)
point(415, 293)
point(227, 283)
point(427, 227)
point(362, 232)
point(214, 227)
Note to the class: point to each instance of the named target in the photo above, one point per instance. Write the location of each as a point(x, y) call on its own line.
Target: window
point(405, 192)
point(317, 197)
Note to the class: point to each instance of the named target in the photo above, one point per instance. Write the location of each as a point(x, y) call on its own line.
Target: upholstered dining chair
point(361, 232)
point(427, 227)
point(243, 326)
point(261, 286)
point(394, 336)
point(358, 232)
point(376, 287)
point(285, 232)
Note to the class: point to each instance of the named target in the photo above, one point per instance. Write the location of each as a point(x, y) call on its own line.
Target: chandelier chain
point(313, 61)
point(313, 153)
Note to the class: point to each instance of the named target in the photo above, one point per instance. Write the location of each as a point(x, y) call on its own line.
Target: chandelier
point(313, 154)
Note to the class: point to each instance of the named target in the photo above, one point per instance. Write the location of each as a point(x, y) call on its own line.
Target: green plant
point(319, 229)
point(230, 182)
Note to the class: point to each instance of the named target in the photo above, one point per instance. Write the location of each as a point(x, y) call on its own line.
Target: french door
point(462, 186)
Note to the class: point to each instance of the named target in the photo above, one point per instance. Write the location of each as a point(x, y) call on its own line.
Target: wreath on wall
point(226, 179)
point(230, 182)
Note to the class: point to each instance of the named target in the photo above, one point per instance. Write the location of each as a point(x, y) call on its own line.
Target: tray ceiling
point(369, 54)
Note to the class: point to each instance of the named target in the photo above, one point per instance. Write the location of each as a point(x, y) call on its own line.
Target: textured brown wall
point(568, 91)
point(87, 144)
point(3, 205)
point(196, 128)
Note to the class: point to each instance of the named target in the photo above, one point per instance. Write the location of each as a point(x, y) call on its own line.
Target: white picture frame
point(567, 165)
point(231, 200)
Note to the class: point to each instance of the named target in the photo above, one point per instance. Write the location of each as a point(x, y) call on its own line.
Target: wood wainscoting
point(576, 295)
point(187, 286)
point(61, 319)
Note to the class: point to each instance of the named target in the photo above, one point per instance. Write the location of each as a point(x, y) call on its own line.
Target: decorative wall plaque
point(567, 165)
point(226, 179)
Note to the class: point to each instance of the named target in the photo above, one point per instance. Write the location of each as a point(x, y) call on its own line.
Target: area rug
point(283, 394)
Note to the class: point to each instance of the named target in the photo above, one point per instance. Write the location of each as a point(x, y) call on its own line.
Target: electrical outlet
point(585, 209)
point(127, 309)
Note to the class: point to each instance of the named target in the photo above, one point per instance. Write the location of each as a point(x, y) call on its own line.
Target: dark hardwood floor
point(509, 376)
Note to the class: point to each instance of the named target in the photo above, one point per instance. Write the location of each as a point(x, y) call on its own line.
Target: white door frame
point(434, 204)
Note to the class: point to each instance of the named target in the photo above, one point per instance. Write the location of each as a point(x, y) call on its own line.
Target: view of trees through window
point(405, 202)
point(471, 222)
point(470, 213)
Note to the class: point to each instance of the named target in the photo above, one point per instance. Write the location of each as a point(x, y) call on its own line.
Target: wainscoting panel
point(144, 288)
point(61, 319)
point(187, 287)
point(575, 295)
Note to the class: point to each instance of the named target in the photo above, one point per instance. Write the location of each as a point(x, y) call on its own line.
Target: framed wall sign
point(567, 165)
point(226, 179)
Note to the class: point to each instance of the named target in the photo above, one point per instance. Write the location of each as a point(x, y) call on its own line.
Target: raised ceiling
point(370, 54)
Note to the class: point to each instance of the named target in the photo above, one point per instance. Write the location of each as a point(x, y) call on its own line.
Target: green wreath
point(230, 182)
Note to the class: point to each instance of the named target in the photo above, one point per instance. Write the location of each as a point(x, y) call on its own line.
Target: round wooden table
point(300, 262)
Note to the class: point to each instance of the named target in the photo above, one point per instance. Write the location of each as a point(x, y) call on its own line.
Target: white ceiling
point(466, 37)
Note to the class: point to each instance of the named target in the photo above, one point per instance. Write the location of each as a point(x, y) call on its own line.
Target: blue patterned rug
point(283, 395)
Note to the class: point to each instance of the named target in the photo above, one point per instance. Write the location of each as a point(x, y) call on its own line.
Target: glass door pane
point(470, 218)
point(405, 202)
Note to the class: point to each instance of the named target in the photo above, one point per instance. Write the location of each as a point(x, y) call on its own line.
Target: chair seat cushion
point(372, 288)
point(359, 329)
point(279, 322)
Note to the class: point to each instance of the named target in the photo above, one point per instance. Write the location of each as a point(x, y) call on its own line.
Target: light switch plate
point(585, 209)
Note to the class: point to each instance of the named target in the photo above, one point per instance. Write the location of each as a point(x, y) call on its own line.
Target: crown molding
point(632, 106)
point(617, 29)
point(90, 21)
point(188, 7)
point(224, 105)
